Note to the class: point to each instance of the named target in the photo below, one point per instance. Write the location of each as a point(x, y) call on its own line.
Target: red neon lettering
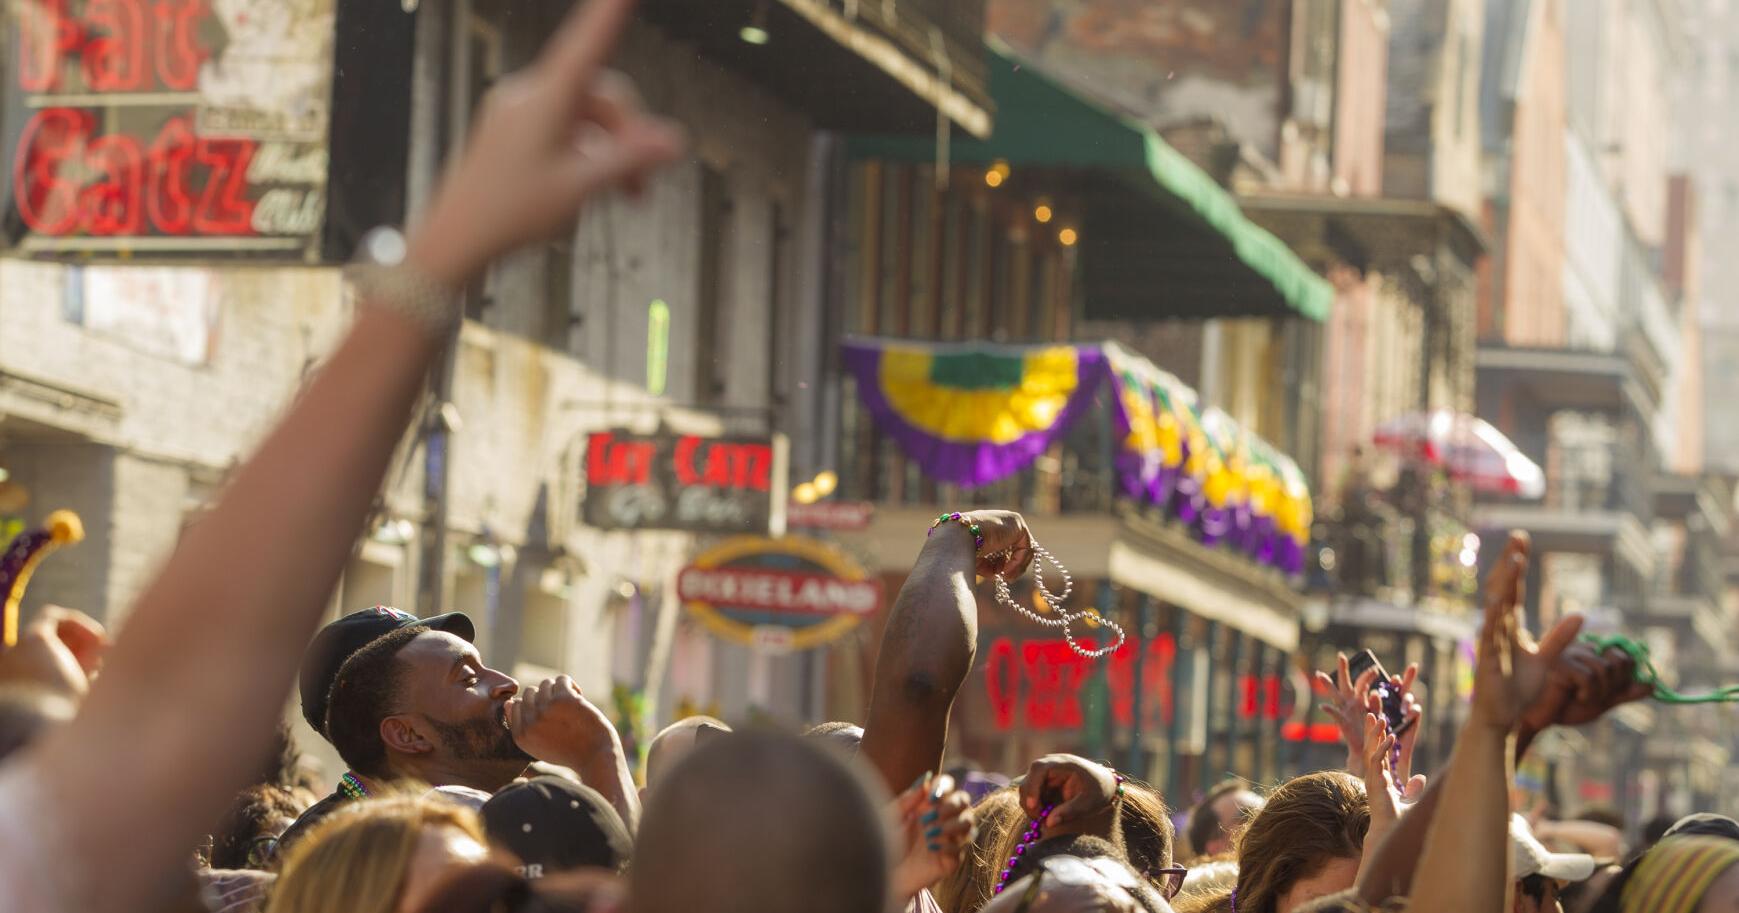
point(114, 54)
point(598, 469)
point(47, 202)
point(112, 206)
point(178, 54)
point(169, 204)
point(224, 208)
point(1001, 682)
point(685, 473)
point(46, 35)
point(1054, 673)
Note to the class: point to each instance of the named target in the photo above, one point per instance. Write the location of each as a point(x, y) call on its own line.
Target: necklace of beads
point(352, 787)
point(1063, 618)
point(1026, 840)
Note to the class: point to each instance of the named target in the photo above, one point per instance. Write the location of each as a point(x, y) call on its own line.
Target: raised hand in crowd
point(61, 650)
point(192, 714)
point(1466, 856)
point(554, 722)
point(930, 640)
point(1350, 699)
point(1381, 786)
point(936, 828)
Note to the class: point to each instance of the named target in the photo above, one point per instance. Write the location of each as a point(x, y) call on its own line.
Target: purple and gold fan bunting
point(973, 414)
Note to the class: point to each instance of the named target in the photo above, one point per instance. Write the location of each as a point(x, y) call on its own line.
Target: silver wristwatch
point(384, 280)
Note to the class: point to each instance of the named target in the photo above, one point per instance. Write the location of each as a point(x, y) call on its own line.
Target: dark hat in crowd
point(1704, 824)
point(554, 825)
point(337, 641)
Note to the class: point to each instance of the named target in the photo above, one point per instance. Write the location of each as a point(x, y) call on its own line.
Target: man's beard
point(481, 739)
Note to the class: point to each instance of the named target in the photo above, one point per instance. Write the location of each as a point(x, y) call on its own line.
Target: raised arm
point(194, 686)
point(1465, 863)
point(930, 640)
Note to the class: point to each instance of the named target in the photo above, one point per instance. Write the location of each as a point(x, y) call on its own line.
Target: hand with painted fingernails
point(938, 826)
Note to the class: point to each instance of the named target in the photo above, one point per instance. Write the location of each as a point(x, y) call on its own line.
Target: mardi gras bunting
point(973, 414)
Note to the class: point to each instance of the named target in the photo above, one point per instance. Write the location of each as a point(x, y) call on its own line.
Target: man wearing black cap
point(416, 702)
point(339, 640)
point(325, 655)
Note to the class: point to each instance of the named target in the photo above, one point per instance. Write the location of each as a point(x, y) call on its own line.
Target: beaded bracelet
point(977, 535)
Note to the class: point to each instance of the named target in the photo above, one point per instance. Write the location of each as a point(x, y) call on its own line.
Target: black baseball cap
point(337, 641)
point(555, 825)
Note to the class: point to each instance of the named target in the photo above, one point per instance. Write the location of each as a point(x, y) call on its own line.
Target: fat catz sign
point(780, 594)
point(168, 126)
point(684, 482)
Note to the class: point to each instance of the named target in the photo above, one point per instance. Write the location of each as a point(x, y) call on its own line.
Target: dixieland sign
point(788, 593)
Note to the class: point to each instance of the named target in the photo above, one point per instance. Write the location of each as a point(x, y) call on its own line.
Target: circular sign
point(783, 594)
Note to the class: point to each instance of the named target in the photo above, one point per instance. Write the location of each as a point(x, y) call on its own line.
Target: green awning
point(1159, 237)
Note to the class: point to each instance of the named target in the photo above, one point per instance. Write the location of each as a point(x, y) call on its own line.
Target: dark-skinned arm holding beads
point(931, 638)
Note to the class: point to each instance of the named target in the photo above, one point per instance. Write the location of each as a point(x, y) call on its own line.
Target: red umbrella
point(1467, 447)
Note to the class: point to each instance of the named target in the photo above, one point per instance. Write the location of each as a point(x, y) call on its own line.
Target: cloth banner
point(973, 414)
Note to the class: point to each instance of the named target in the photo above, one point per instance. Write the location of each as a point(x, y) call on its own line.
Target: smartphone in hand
point(1393, 711)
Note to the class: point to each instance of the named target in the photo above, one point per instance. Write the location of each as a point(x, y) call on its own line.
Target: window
point(713, 295)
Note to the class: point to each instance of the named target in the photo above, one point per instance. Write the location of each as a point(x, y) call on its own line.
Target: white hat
point(1529, 856)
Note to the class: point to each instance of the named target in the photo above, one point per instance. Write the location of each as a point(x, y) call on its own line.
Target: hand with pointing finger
point(546, 139)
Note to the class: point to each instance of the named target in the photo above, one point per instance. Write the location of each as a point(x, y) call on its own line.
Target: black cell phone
point(1392, 709)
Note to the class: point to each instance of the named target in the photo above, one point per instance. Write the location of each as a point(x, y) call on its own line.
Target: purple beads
point(1026, 840)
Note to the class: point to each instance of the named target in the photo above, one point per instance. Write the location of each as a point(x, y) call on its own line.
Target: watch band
point(384, 280)
point(430, 303)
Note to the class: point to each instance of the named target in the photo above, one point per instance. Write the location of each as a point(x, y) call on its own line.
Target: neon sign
point(1037, 684)
point(170, 125)
point(683, 482)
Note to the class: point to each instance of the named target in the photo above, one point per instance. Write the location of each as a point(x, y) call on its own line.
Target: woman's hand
point(1351, 699)
point(938, 826)
point(547, 138)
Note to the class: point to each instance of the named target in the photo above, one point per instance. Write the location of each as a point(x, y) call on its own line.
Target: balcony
point(1551, 379)
point(1584, 516)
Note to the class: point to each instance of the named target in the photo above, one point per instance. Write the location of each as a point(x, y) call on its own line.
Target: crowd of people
point(151, 774)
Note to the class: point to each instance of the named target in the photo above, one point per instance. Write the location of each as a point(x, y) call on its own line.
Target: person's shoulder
point(316, 813)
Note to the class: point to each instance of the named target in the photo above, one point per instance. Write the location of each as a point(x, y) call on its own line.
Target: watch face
point(384, 246)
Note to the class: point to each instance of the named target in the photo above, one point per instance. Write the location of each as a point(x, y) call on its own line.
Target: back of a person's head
point(1146, 826)
point(366, 692)
point(356, 860)
point(26, 711)
point(761, 823)
point(1000, 822)
point(246, 837)
point(1674, 875)
point(1306, 823)
point(673, 742)
point(1215, 876)
point(1204, 824)
point(839, 733)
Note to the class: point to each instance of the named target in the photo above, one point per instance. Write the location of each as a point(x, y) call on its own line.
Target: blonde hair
point(356, 859)
point(1144, 835)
